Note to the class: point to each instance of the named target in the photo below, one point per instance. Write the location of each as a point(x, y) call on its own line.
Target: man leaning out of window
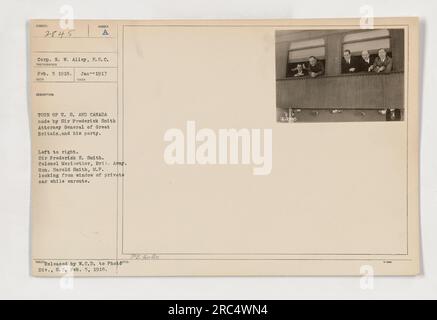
point(383, 63)
point(315, 67)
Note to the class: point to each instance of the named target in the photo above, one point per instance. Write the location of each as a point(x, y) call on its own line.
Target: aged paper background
point(340, 195)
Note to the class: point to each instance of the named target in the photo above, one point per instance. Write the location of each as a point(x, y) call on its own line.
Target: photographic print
point(340, 75)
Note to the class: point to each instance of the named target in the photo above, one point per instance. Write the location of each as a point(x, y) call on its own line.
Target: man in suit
point(383, 63)
point(348, 63)
point(366, 64)
point(300, 72)
point(315, 67)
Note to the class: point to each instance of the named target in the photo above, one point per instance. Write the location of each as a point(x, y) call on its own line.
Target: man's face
point(365, 55)
point(299, 68)
point(382, 54)
point(313, 61)
point(346, 55)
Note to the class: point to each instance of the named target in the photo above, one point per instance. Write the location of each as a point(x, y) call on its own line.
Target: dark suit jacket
point(346, 66)
point(303, 74)
point(364, 65)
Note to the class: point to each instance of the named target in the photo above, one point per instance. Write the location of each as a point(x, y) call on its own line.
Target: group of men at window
point(382, 63)
point(350, 64)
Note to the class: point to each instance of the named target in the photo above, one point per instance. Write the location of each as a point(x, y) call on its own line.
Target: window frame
point(324, 46)
point(371, 51)
point(307, 47)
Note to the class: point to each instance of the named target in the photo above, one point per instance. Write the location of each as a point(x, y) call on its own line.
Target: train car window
point(298, 55)
point(371, 41)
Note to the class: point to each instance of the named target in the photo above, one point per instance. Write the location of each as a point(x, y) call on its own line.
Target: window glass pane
point(304, 54)
point(366, 35)
point(358, 47)
point(307, 43)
